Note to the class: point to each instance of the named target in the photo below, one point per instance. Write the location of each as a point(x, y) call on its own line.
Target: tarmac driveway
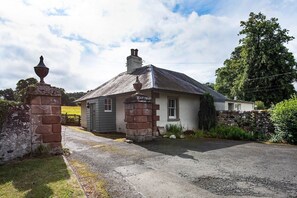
point(187, 168)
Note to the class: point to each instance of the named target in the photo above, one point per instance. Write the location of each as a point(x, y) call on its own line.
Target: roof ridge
point(153, 84)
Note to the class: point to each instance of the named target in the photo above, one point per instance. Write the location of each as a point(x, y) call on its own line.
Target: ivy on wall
point(4, 110)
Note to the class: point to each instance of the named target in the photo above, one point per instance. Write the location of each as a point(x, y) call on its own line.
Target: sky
point(85, 42)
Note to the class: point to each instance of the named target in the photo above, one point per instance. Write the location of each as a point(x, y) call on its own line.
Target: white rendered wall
point(189, 106)
point(220, 106)
point(245, 106)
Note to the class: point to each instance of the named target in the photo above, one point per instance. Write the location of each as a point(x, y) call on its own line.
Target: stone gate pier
point(139, 116)
point(45, 103)
point(34, 126)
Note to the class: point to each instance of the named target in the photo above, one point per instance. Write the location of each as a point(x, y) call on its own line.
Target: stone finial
point(137, 85)
point(41, 70)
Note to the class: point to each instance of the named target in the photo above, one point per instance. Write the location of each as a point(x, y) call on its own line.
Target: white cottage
point(176, 94)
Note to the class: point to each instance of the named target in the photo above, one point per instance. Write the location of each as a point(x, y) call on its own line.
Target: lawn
point(38, 177)
point(71, 110)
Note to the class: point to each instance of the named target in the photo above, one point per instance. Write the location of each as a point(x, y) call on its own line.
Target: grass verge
point(38, 177)
point(93, 184)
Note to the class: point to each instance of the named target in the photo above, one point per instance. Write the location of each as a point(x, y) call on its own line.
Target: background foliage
point(4, 110)
point(261, 67)
point(19, 94)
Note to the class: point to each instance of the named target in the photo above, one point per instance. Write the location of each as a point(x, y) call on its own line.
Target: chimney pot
point(133, 61)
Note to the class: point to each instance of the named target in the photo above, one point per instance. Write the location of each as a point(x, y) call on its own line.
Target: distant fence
point(71, 119)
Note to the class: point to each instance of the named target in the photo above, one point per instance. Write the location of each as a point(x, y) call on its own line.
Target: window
point(172, 109)
point(238, 107)
point(108, 105)
point(231, 106)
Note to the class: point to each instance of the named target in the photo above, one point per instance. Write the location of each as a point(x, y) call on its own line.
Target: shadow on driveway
point(180, 147)
point(110, 135)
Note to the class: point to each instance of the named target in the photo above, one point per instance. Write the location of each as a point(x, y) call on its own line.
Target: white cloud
point(85, 43)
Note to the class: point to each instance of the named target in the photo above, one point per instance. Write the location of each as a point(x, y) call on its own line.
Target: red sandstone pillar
point(138, 115)
point(45, 103)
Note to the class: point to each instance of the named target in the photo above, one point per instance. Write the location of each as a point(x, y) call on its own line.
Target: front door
point(93, 117)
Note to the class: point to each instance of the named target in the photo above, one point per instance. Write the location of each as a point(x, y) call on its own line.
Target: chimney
point(133, 61)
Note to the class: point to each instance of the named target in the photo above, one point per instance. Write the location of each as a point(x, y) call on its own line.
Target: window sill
point(107, 111)
point(173, 120)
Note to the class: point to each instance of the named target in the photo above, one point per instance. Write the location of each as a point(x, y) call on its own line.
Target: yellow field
point(71, 110)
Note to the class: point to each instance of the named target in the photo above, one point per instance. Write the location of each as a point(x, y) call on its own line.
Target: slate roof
point(152, 77)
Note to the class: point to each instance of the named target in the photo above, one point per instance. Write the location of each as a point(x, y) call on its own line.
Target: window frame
point(175, 108)
point(108, 105)
point(238, 106)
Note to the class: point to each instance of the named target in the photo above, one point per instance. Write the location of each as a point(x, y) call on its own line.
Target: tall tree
point(21, 87)
point(210, 85)
point(261, 67)
point(229, 78)
point(7, 94)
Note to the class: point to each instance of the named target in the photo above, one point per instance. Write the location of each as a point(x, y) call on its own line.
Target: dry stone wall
point(15, 135)
point(252, 121)
point(33, 126)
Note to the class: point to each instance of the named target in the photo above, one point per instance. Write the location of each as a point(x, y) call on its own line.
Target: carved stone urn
point(41, 70)
point(137, 85)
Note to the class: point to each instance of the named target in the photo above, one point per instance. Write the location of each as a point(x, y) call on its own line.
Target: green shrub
point(199, 134)
point(4, 107)
point(174, 129)
point(260, 105)
point(277, 138)
point(229, 132)
point(261, 136)
point(42, 150)
point(284, 118)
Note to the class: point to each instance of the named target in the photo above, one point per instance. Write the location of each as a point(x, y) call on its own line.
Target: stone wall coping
point(232, 111)
point(44, 90)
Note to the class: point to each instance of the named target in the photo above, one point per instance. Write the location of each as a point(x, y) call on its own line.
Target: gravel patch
point(246, 186)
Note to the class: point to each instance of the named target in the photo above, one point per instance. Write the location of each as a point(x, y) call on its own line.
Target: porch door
point(93, 116)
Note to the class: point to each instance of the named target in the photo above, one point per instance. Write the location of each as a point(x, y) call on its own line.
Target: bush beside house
point(284, 118)
point(207, 113)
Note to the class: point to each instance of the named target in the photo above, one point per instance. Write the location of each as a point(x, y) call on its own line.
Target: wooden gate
point(71, 119)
